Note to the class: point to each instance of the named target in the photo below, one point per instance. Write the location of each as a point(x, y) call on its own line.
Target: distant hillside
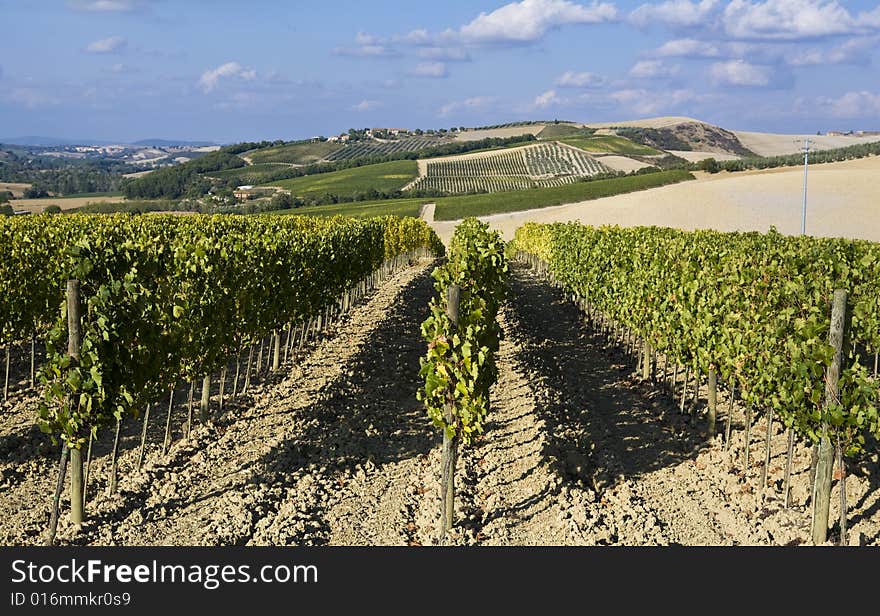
point(171, 143)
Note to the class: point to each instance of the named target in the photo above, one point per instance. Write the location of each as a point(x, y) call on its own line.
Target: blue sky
point(230, 71)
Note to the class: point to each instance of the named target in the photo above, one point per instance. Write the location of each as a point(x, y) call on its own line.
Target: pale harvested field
point(695, 157)
point(843, 201)
point(36, 206)
point(770, 144)
point(622, 163)
point(15, 188)
point(510, 131)
point(661, 122)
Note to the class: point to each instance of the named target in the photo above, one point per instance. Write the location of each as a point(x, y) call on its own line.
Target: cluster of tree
point(5, 196)
point(661, 138)
point(6, 210)
point(247, 146)
point(184, 180)
point(61, 176)
point(768, 162)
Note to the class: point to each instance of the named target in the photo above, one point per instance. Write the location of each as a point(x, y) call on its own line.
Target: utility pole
point(807, 143)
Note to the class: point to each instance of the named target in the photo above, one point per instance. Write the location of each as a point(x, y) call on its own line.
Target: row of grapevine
point(544, 165)
point(463, 336)
point(163, 299)
point(753, 309)
point(364, 149)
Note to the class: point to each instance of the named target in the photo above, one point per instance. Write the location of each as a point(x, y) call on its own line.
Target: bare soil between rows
point(336, 450)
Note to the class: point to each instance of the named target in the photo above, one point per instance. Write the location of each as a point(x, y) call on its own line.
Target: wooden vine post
point(74, 344)
point(825, 462)
point(450, 445)
point(713, 403)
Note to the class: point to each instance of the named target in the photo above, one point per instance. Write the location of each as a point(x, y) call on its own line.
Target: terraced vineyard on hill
point(545, 165)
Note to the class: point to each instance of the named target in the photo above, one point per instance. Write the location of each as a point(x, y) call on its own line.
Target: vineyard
point(368, 149)
point(791, 325)
point(274, 380)
point(540, 166)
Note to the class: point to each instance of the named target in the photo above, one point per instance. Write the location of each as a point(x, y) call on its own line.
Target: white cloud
point(366, 51)
point(209, 79)
point(676, 13)
point(430, 69)
point(688, 48)
point(571, 79)
point(788, 19)
point(366, 105)
point(474, 103)
point(363, 38)
point(107, 45)
point(853, 105)
point(653, 69)
point(448, 54)
point(419, 36)
point(740, 73)
point(652, 102)
point(529, 20)
point(853, 51)
point(106, 6)
point(547, 99)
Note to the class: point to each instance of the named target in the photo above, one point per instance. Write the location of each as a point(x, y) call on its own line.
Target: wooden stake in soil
point(825, 461)
point(189, 407)
point(33, 358)
point(729, 418)
point(86, 473)
point(767, 448)
point(276, 357)
point(713, 402)
point(786, 489)
point(646, 364)
point(114, 454)
point(684, 389)
point(144, 437)
point(247, 375)
point(6, 380)
point(74, 343)
point(56, 499)
point(222, 388)
point(696, 398)
point(748, 438)
point(450, 444)
point(205, 405)
point(166, 443)
point(237, 372)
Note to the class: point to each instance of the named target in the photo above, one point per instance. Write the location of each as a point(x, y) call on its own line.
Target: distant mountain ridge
point(40, 141)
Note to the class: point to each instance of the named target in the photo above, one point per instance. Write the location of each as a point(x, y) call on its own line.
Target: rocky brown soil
point(336, 450)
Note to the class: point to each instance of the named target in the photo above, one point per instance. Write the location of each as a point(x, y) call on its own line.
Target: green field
point(456, 208)
point(384, 177)
point(252, 174)
point(611, 144)
point(362, 209)
point(559, 131)
point(295, 153)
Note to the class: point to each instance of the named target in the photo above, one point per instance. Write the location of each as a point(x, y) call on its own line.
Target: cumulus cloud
point(447, 54)
point(547, 99)
point(108, 45)
point(861, 104)
point(653, 102)
point(688, 48)
point(676, 13)
point(788, 19)
point(366, 105)
point(209, 79)
point(430, 69)
point(653, 69)
point(571, 79)
point(530, 20)
point(853, 51)
point(367, 46)
point(474, 103)
point(740, 73)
